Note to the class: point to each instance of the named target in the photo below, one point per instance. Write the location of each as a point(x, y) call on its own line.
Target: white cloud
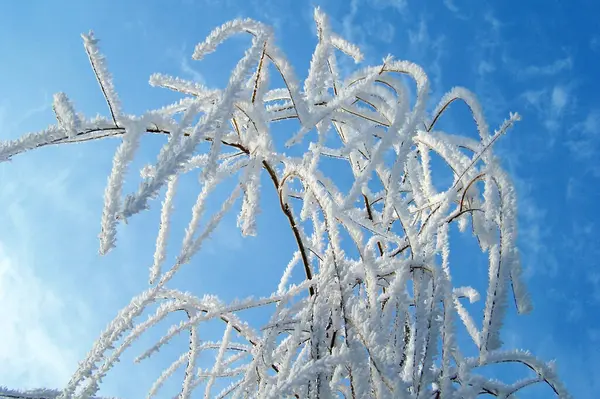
point(181, 56)
point(571, 188)
point(595, 43)
point(10, 121)
point(485, 67)
point(522, 71)
point(554, 68)
point(534, 229)
point(560, 97)
point(591, 124)
point(534, 97)
point(584, 140)
point(381, 30)
point(575, 310)
point(428, 52)
point(39, 333)
point(274, 12)
point(551, 104)
point(226, 237)
point(453, 8)
point(538, 257)
point(44, 106)
point(352, 31)
point(187, 69)
point(493, 22)
point(419, 38)
point(449, 4)
point(399, 5)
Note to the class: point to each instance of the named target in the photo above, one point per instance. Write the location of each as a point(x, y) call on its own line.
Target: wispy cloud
point(595, 43)
point(559, 99)
point(449, 4)
point(485, 67)
point(538, 257)
point(31, 353)
point(380, 30)
point(494, 23)
point(10, 122)
point(550, 104)
point(188, 70)
point(181, 56)
point(418, 38)
point(542, 71)
point(276, 13)
point(535, 227)
point(485, 46)
point(399, 5)
point(428, 51)
point(560, 65)
point(365, 32)
point(584, 142)
point(453, 8)
point(352, 31)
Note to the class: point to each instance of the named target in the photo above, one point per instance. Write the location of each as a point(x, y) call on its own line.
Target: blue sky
point(540, 59)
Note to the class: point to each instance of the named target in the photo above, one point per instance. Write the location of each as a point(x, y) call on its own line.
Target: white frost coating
point(173, 156)
point(460, 93)
point(52, 134)
point(190, 369)
point(183, 86)
point(347, 48)
point(163, 231)
point(366, 306)
point(467, 292)
point(36, 394)
point(112, 195)
point(168, 372)
point(102, 75)
point(250, 203)
point(65, 114)
point(227, 30)
point(218, 360)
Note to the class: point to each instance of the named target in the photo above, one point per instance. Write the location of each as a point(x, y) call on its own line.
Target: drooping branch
point(375, 255)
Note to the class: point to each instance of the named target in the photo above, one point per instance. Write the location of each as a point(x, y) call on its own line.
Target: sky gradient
point(57, 294)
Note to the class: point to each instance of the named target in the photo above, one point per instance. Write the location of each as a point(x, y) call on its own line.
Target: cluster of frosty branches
point(376, 313)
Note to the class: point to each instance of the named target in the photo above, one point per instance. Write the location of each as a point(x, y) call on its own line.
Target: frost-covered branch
point(374, 314)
